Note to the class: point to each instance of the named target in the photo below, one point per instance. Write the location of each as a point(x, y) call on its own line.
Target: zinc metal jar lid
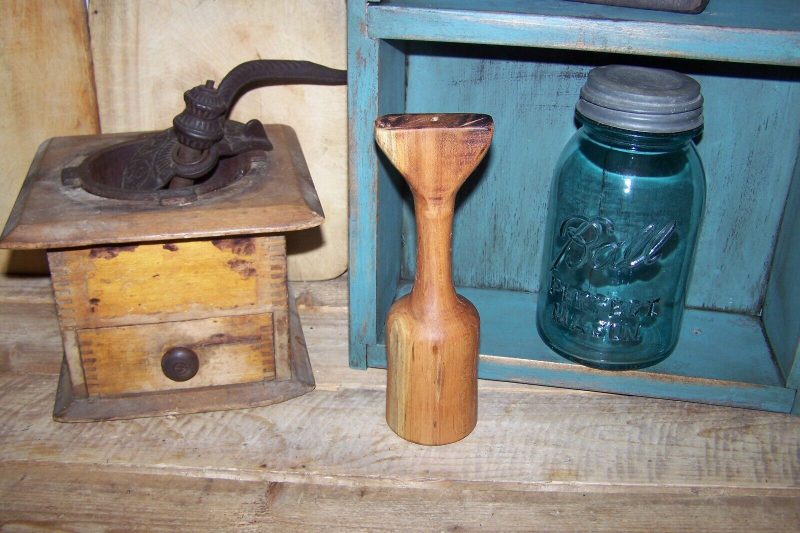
point(642, 99)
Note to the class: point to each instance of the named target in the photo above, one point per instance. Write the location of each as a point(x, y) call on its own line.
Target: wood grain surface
point(74, 406)
point(147, 53)
point(48, 90)
point(48, 215)
point(42, 497)
point(149, 283)
point(127, 359)
point(432, 334)
point(509, 195)
point(733, 30)
point(539, 459)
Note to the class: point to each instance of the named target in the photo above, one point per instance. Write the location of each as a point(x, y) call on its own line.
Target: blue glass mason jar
point(625, 208)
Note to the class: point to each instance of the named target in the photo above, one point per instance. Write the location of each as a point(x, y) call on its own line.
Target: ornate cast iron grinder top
point(194, 156)
point(228, 178)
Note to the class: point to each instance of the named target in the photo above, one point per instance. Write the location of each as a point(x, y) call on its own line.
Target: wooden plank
point(455, 507)
point(146, 54)
point(540, 458)
point(73, 363)
point(30, 340)
point(362, 105)
point(25, 289)
point(388, 248)
point(502, 211)
point(734, 30)
point(68, 498)
point(40, 36)
point(773, 15)
point(781, 313)
point(319, 295)
point(741, 374)
point(124, 360)
point(149, 283)
point(740, 227)
point(639, 383)
point(274, 248)
point(45, 497)
point(531, 437)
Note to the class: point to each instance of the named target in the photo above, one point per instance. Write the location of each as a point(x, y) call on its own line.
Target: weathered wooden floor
point(540, 459)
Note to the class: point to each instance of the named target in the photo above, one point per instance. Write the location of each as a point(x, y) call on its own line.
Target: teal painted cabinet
point(523, 62)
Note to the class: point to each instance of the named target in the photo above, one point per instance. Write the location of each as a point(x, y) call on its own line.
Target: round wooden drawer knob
point(180, 364)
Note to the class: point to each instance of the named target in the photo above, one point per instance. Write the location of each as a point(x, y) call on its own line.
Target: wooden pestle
point(432, 334)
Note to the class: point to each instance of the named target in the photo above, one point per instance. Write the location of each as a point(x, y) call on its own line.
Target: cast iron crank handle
point(278, 72)
point(201, 124)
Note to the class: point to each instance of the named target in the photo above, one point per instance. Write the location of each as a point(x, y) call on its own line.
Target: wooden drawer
point(127, 359)
point(107, 286)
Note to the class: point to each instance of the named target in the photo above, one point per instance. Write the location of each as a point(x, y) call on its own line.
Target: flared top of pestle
point(435, 120)
point(435, 152)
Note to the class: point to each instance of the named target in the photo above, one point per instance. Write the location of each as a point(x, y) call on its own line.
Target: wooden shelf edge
point(629, 383)
point(689, 41)
point(513, 351)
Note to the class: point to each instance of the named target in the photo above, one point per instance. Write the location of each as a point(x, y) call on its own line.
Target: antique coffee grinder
point(168, 258)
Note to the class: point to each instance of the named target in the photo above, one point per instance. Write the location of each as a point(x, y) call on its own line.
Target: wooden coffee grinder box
point(171, 291)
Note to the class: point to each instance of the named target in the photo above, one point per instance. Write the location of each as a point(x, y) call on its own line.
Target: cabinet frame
point(383, 38)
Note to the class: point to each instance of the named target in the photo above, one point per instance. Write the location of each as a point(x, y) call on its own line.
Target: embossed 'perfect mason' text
point(598, 316)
